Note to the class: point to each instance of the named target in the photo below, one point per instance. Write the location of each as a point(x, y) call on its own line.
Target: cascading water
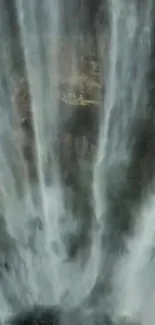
point(37, 216)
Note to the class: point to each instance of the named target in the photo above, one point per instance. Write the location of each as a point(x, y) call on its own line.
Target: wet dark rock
point(38, 315)
point(43, 315)
point(53, 316)
point(7, 247)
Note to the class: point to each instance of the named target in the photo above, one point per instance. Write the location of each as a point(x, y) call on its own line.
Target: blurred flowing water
point(113, 273)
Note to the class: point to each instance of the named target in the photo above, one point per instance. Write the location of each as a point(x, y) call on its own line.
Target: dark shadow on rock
point(38, 315)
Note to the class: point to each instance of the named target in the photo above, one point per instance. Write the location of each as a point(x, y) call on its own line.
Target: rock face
point(78, 103)
point(79, 98)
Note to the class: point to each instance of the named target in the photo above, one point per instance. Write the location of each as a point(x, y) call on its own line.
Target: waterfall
point(86, 246)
